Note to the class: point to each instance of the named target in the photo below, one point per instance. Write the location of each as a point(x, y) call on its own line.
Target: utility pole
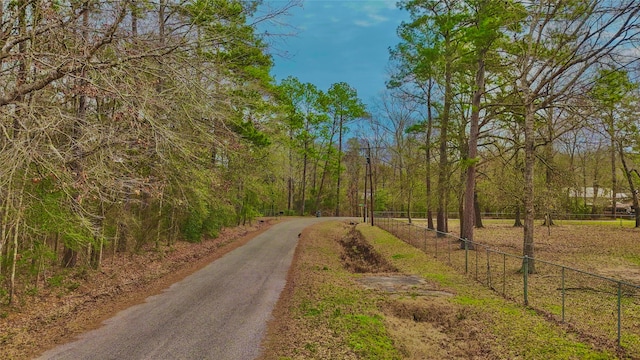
point(364, 203)
point(370, 179)
point(368, 175)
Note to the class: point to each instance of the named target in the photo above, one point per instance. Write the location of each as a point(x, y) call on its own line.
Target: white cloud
point(378, 18)
point(374, 12)
point(372, 19)
point(363, 23)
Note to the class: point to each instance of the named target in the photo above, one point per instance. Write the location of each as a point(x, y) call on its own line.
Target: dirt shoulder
point(56, 315)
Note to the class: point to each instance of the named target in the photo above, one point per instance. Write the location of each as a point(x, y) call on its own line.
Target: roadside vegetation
point(82, 298)
point(129, 126)
point(326, 312)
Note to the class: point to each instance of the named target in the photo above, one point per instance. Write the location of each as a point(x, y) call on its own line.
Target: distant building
point(602, 198)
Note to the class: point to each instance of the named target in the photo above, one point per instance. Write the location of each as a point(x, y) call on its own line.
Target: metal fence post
point(563, 294)
point(425, 240)
point(504, 274)
point(619, 311)
point(488, 270)
point(477, 251)
point(525, 267)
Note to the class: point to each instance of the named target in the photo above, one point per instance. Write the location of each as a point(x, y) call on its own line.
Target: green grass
point(591, 303)
point(367, 336)
point(351, 314)
point(332, 315)
point(519, 332)
point(632, 258)
point(335, 316)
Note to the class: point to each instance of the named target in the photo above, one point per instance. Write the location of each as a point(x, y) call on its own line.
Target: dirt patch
point(406, 284)
point(434, 328)
point(358, 256)
point(437, 312)
point(52, 318)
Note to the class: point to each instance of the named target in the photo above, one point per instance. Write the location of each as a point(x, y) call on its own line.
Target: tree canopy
point(130, 125)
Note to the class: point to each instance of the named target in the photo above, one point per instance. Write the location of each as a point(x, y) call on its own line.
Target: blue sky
point(338, 41)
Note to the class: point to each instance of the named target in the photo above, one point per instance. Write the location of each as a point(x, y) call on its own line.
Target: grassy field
point(509, 222)
point(326, 313)
point(587, 275)
point(625, 223)
point(600, 246)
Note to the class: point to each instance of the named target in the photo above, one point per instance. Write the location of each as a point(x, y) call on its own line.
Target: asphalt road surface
point(219, 312)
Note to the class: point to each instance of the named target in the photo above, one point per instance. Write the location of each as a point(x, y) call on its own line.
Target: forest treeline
point(134, 124)
point(129, 124)
point(513, 106)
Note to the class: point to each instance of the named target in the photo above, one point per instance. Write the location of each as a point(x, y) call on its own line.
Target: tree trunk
point(16, 234)
point(324, 171)
point(70, 255)
point(322, 178)
point(596, 189)
point(429, 206)
point(428, 156)
point(14, 257)
point(96, 253)
point(614, 180)
point(289, 194)
point(518, 221)
point(339, 166)
point(409, 195)
point(478, 216)
point(134, 19)
point(461, 217)
point(529, 162)
point(161, 33)
point(470, 196)
point(443, 166)
point(4, 229)
point(303, 197)
point(634, 192)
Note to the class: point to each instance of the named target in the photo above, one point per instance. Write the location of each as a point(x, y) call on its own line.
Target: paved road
point(219, 312)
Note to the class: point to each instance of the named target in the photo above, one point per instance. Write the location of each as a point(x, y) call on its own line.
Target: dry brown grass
point(588, 304)
point(326, 313)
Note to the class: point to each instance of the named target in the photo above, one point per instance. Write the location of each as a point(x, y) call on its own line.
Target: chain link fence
point(604, 309)
point(556, 216)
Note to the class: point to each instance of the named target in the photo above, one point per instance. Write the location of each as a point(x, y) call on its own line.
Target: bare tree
point(562, 41)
